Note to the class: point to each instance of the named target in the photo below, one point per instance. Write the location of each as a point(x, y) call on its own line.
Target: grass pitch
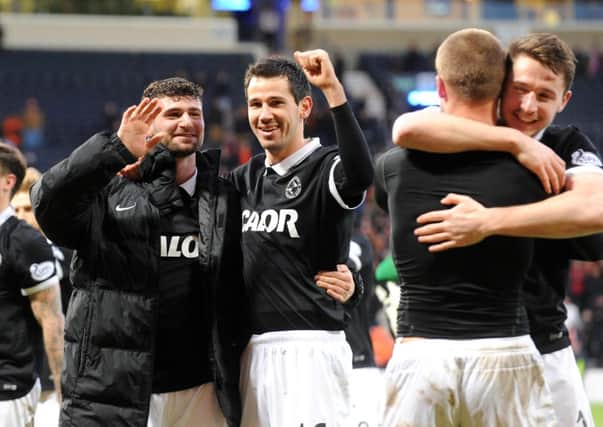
point(598, 413)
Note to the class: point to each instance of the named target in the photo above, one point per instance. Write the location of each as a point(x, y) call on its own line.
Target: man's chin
point(183, 150)
point(526, 128)
point(183, 153)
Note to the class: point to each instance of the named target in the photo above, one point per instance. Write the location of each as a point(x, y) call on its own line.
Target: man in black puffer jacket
point(155, 325)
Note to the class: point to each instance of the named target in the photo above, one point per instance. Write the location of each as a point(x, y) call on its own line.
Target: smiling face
point(274, 116)
point(181, 118)
point(532, 96)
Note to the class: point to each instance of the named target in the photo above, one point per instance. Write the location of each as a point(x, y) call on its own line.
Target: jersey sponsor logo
point(120, 208)
point(581, 421)
point(293, 188)
point(585, 158)
point(270, 221)
point(42, 271)
point(179, 246)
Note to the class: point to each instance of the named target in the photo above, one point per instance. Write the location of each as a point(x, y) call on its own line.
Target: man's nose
point(528, 103)
point(265, 113)
point(186, 120)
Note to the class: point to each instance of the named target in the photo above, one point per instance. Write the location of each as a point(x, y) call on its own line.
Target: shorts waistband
point(298, 336)
point(509, 344)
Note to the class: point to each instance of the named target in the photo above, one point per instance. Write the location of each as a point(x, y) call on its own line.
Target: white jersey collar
point(538, 136)
point(300, 155)
point(190, 185)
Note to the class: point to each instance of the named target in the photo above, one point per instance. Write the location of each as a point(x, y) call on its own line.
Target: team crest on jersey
point(293, 188)
point(585, 158)
point(41, 271)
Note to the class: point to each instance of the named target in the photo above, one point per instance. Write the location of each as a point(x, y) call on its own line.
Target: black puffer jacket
point(113, 224)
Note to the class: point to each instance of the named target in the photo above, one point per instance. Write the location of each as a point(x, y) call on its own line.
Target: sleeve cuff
point(335, 193)
point(122, 150)
point(54, 280)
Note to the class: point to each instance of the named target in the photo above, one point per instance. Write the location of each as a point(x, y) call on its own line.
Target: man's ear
point(8, 182)
point(305, 107)
point(441, 87)
point(566, 97)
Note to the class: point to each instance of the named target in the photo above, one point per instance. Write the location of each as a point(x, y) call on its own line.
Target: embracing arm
point(46, 307)
point(434, 131)
point(342, 285)
point(576, 212)
point(437, 132)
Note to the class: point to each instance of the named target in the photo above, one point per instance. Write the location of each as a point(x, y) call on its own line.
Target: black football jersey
point(295, 224)
point(27, 266)
point(548, 277)
point(463, 293)
point(181, 343)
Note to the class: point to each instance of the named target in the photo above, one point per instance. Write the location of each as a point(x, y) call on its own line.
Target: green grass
point(598, 413)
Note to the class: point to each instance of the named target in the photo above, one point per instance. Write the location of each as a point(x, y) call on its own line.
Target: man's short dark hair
point(550, 51)
point(279, 66)
point(173, 86)
point(13, 162)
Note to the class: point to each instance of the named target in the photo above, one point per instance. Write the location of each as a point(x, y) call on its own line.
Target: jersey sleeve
point(580, 154)
point(352, 171)
point(35, 262)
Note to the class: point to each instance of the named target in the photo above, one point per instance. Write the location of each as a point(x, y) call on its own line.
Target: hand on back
point(543, 162)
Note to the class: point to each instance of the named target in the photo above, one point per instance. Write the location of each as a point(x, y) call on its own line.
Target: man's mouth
point(528, 121)
point(268, 130)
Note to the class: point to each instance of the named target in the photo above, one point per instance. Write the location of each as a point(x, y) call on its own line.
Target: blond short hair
point(32, 175)
point(472, 63)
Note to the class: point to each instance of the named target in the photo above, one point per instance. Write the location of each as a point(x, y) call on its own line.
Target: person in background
point(29, 294)
point(47, 412)
point(367, 387)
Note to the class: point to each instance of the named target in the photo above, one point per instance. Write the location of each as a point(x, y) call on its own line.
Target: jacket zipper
point(81, 359)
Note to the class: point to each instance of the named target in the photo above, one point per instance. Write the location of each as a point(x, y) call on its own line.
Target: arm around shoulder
point(438, 132)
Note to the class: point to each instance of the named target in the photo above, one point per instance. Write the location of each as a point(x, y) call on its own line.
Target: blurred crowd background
point(69, 68)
